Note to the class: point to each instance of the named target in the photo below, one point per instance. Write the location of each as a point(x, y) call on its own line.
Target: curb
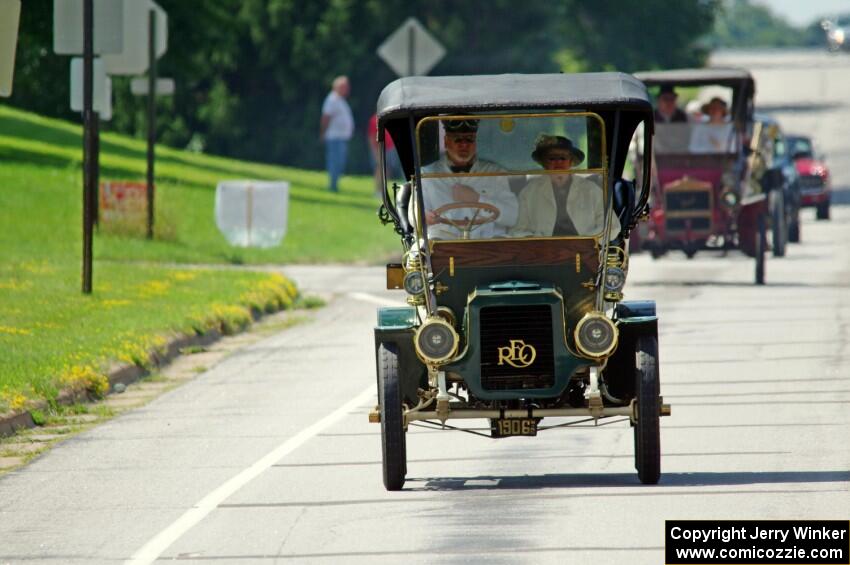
point(125, 373)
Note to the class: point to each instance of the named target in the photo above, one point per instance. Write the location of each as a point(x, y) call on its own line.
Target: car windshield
point(694, 120)
point(695, 138)
point(513, 176)
point(800, 147)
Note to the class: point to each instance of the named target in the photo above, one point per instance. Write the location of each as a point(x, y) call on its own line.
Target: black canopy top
point(589, 91)
point(731, 77)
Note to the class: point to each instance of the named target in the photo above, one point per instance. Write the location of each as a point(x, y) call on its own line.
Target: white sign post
point(411, 50)
point(134, 58)
point(68, 27)
point(101, 88)
point(10, 14)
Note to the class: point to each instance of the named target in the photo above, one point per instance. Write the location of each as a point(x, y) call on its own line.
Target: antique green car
point(514, 225)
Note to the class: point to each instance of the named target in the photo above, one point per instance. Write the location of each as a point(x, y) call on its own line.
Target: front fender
point(634, 318)
point(398, 325)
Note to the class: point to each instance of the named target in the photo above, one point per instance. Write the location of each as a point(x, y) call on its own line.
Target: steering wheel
point(466, 225)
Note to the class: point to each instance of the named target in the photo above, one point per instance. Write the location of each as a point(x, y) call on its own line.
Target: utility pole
point(151, 115)
point(88, 143)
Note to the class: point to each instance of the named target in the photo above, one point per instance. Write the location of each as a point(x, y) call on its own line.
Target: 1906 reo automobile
point(513, 226)
point(710, 188)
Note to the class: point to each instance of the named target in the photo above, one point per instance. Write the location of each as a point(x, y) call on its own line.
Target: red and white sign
point(123, 201)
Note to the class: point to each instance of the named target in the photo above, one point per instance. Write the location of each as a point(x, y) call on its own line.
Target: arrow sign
point(411, 50)
point(10, 13)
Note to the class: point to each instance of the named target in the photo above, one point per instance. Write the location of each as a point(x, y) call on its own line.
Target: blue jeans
point(336, 151)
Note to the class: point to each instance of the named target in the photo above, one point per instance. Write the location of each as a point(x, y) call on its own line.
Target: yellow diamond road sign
point(411, 50)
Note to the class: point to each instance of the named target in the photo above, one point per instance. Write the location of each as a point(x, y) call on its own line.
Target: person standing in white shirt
point(336, 128)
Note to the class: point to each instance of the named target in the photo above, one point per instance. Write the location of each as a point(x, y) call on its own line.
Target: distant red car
point(815, 185)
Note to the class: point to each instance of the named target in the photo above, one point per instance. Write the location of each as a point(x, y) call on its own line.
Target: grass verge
point(53, 338)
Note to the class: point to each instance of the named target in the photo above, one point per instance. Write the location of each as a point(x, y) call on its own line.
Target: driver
point(564, 204)
point(460, 156)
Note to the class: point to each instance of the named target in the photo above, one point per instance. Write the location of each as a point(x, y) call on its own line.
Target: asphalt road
point(268, 456)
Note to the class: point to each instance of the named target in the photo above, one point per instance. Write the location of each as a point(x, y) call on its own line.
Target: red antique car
point(709, 181)
point(815, 185)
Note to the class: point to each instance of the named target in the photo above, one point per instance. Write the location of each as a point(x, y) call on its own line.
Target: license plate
point(513, 427)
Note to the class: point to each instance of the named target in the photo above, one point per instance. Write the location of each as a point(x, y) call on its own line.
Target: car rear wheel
point(779, 229)
point(393, 445)
point(647, 429)
point(822, 212)
point(761, 244)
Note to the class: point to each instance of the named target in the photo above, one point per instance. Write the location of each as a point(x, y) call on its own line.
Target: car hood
point(810, 166)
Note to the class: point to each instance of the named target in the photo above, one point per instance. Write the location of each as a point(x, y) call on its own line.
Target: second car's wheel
point(647, 429)
point(393, 445)
point(794, 229)
point(823, 211)
point(779, 226)
point(761, 244)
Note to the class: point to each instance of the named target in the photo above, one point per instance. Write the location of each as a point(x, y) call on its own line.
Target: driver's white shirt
point(493, 190)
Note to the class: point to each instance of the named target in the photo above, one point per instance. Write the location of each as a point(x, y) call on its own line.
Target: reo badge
point(518, 354)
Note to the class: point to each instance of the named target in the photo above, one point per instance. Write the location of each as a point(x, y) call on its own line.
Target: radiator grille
point(680, 224)
point(532, 325)
point(688, 201)
point(811, 182)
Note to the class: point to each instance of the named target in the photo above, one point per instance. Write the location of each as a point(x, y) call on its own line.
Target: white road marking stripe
point(374, 299)
point(151, 551)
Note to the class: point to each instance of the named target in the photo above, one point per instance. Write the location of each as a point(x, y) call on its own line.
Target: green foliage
point(251, 74)
point(741, 23)
point(630, 36)
point(38, 417)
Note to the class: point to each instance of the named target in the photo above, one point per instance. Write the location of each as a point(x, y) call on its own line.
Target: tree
point(740, 23)
point(251, 74)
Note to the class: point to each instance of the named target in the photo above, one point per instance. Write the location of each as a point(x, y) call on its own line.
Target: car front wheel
point(647, 429)
point(393, 445)
point(823, 211)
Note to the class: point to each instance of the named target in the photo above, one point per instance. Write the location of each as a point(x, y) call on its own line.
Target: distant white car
point(837, 36)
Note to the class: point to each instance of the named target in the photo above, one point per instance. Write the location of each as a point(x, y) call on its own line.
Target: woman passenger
point(561, 204)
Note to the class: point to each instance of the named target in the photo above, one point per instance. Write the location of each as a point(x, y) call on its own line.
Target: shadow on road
point(732, 284)
point(591, 480)
point(800, 108)
point(840, 196)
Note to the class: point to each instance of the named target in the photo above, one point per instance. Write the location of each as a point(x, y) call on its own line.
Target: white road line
point(374, 299)
point(151, 551)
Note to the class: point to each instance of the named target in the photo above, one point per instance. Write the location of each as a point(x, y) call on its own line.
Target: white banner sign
point(252, 213)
